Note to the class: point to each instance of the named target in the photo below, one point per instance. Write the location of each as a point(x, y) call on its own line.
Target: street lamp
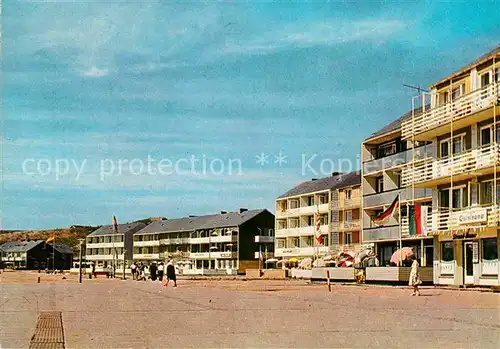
point(80, 262)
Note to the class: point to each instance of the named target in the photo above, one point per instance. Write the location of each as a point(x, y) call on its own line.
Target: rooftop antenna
point(418, 88)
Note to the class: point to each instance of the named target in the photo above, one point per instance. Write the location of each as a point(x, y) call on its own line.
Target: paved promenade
point(207, 314)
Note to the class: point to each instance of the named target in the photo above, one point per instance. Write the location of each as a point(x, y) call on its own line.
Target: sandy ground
point(107, 313)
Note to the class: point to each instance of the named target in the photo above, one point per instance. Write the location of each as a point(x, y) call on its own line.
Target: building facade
point(36, 254)
point(224, 243)
point(385, 155)
point(336, 199)
point(107, 248)
point(460, 118)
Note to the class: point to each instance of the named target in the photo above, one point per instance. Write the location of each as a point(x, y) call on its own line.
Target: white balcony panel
point(264, 255)
point(147, 243)
point(103, 257)
point(153, 256)
point(213, 255)
point(397, 160)
point(259, 239)
point(467, 162)
point(224, 238)
point(287, 232)
point(199, 240)
point(105, 245)
point(300, 251)
point(455, 110)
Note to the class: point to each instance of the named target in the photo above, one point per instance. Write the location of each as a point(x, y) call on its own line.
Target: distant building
point(337, 201)
point(36, 254)
point(223, 243)
point(104, 246)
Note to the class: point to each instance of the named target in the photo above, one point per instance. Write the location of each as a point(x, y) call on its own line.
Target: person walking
point(133, 268)
point(160, 272)
point(152, 270)
point(171, 273)
point(415, 277)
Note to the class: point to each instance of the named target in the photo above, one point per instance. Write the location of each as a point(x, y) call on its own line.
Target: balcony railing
point(304, 210)
point(155, 256)
point(446, 220)
point(381, 233)
point(464, 163)
point(454, 110)
point(301, 251)
point(386, 198)
point(346, 225)
point(147, 243)
point(397, 160)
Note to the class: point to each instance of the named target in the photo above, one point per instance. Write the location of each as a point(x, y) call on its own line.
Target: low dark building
point(36, 254)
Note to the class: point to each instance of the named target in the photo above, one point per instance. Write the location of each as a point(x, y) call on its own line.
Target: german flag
point(387, 214)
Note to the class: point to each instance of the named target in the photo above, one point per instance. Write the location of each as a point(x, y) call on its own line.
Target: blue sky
point(92, 83)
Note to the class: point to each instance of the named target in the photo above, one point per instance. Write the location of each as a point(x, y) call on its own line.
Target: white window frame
point(489, 73)
point(461, 89)
point(294, 202)
point(492, 136)
point(379, 182)
point(450, 145)
point(492, 190)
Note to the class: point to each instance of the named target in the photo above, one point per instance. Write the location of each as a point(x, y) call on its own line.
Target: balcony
point(476, 162)
point(105, 244)
point(174, 241)
point(281, 233)
point(380, 233)
point(352, 225)
point(304, 210)
point(103, 257)
point(224, 238)
point(474, 217)
point(260, 239)
point(147, 256)
point(386, 198)
point(376, 166)
point(264, 255)
point(435, 121)
point(301, 251)
point(147, 243)
point(213, 255)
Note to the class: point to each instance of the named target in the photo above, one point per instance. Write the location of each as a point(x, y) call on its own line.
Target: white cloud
point(95, 72)
point(326, 33)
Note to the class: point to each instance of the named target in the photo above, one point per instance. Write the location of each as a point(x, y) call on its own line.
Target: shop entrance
point(468, 263)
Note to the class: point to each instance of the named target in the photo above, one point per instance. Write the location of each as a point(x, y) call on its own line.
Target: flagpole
point(54, 253)
point(400, 234)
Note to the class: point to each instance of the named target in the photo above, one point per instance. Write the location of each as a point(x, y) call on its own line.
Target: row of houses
point(439, 163)
point(35, 255)
point(222, 243)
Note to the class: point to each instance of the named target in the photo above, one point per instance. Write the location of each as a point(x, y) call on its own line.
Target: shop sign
point(225, 255)
point(471, 216)
point(290, 251)
point(464, 235)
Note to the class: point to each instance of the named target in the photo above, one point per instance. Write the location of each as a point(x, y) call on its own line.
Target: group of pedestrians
point(143, 272)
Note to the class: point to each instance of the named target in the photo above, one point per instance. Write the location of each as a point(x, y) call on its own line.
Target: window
point(397, 178)
point(487, 133)
point(348, 216)
point(497, 75)
point(294, 223)
point(457, 92)
point(386, 149)
point(348, 194)
point(310, 201)
point(459, 198)
point(293, 242)
point(348, 238)
point(323, 219)
point(294, 204)
point(457, 146)
point(380, 184)
point(485, 79)
point(486, 192)
point(445, 148)
point(447, 251)
point(490, 251)
point(444, 98)
point(310, 220)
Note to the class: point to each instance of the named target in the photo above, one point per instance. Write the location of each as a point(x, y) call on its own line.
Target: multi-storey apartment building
point(384, 156)
point(337, 200)
point(106, 248)
point(224, 243)
point(460, 118)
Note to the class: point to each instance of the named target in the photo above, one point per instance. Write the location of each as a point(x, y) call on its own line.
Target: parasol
point(404, 253)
